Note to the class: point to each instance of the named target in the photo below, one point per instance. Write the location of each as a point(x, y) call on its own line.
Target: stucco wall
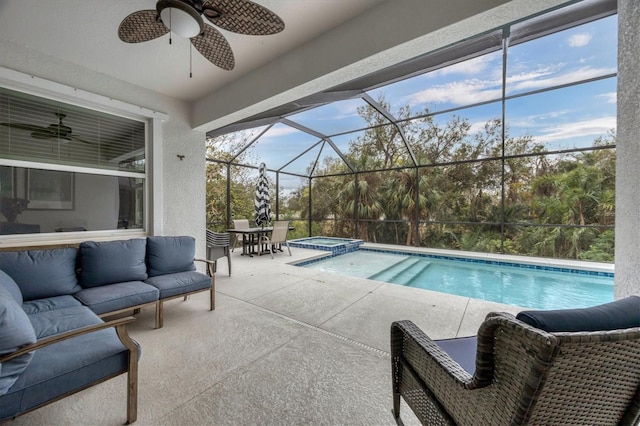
point(627, 279)
point(182, 182)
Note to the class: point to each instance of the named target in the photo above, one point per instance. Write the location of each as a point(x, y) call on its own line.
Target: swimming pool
point(530, 286)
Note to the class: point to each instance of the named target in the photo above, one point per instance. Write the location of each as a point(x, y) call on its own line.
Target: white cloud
point(278, 131)
point(532, 75)
point(477, 127)
point(536, 120)
point(569, 77)
point(579, 40)
point(458, 93)
point(595, 127)
point(472, 66)
point(472, 90)
point(610, 98)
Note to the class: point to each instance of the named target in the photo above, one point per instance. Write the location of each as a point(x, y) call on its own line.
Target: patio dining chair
point(562, 367)
point(278, 236)
point(217, 247)
point(239, 224)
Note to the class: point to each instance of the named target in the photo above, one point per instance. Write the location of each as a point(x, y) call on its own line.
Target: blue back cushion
point(42, 273)
point(9, 288)
point(111, 262)
point(15, 331)
point(168, 255)
point(617, 315)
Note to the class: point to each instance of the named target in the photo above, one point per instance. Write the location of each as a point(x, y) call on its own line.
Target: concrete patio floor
point(285, 346)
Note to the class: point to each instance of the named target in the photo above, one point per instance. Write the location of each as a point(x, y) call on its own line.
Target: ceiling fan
point(52, 131)
point(184, 17)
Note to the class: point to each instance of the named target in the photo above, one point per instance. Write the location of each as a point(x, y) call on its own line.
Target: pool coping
point(560, 265)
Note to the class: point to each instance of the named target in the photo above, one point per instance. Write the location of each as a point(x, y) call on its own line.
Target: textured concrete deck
point(285, 345)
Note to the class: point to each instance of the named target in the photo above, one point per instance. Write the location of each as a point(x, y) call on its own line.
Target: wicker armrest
point(411, 343)
point(119, 324)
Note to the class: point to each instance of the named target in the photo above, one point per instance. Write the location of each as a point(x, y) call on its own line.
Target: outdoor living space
point(503, 128)
point(285, 345)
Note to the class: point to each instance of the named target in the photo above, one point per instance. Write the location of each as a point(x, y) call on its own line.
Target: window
point(68, 168)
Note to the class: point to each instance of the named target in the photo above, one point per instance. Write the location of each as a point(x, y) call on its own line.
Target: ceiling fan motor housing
point(181, 16)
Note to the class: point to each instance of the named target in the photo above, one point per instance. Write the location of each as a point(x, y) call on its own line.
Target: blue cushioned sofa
point(53, 339)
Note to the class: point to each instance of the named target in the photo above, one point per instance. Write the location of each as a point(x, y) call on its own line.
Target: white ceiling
point(84, 32)
point(325, 43)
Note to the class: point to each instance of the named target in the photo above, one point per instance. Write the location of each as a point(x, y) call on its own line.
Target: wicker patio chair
point(524, 375)
point(217, 247)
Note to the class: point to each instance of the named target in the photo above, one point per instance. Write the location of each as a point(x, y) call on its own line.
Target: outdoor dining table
point(251, 237)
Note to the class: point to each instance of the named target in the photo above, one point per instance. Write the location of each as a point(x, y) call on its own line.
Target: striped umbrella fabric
point(262, 204)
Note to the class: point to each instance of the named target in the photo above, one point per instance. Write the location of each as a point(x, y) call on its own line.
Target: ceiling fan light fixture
point(180, 18)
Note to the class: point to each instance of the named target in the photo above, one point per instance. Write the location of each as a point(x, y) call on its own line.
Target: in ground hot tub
point(335, 245)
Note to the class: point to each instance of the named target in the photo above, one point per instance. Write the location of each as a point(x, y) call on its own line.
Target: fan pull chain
point(190, 62)
point(170, 25)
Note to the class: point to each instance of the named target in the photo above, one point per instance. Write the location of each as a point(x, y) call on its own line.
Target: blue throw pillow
point(168, 255)
point(15, 331)
point(617, 315)
point(111, 262)
point(8, 287)
point(42, 273)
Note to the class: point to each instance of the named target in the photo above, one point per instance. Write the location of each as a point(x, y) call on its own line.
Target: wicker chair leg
point(396, 408)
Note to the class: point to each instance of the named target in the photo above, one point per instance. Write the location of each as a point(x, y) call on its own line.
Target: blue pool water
point(502, 283)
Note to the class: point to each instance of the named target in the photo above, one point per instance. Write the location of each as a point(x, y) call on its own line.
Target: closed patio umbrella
point(262, 204)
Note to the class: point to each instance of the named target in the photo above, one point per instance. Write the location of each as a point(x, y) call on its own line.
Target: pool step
point(403, 271)
point(416, 275)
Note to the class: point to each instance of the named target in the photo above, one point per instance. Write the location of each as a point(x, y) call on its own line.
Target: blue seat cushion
point(118, 296)
point(8, 287)
point(65, 367)
point(15, 332)
point(179, 283)
point(42, 273)
point(49, 323)
point(462, 350)
point(620, 314)
point(111, 262)
point(49, 304)
point(167, 255)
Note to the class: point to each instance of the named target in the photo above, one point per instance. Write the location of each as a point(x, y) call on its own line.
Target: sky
point(560, 118)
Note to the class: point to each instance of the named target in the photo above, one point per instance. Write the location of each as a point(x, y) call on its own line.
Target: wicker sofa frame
point(523, 376)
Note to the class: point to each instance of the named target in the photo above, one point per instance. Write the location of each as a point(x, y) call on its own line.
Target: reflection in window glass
point(580, 53)
point(47, 131)
point(469, 82)
point(45, 201)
